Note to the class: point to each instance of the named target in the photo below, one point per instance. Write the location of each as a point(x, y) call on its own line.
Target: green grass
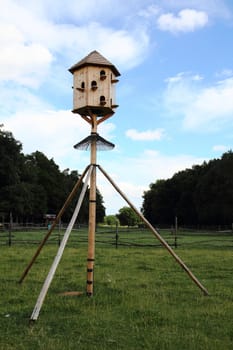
point(142, 299)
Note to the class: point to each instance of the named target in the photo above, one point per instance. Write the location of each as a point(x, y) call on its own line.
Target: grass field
point(142, 299)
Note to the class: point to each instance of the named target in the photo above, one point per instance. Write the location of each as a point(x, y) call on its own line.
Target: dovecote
point(94, 81)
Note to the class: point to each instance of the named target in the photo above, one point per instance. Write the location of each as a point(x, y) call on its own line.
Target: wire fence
point(117, 236)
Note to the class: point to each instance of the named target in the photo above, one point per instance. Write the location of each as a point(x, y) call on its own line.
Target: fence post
point(10, 230)
point(117, 235)
point(59, 232)
point(176, 228)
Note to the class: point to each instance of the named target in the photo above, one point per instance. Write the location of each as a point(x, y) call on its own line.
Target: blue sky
point(175, 93)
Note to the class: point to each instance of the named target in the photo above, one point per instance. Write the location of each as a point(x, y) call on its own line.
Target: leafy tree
point(201, 195)
point(214, 193)
point(48, 175)
point(128, 217)
point(33, 185)
point(159, 202)
point(11, 158)
point(100, 209)
point(111, 220)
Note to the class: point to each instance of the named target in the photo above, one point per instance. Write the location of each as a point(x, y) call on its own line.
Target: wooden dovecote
point(94, 79)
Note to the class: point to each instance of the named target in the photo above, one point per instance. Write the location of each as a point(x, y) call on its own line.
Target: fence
point(117, 236)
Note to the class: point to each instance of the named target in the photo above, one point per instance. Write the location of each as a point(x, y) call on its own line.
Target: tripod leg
point(156, 234)
point(68, 200)
point(57, 259)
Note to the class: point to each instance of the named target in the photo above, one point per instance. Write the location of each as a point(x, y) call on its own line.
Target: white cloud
point(82, 10)
point(32, 40)
point(18, 98)
point(197, 77)
point(149, 135)
point(181, 76)
point(148, 167)
point(150, 11)
point(134, 45)
point(224, 73)
point(22, 62)
point(220, 148)
point(53, 132)
point(211, 105)
point(187, 20)
point(214, 8)
point(202, 108)
point(49, 131)
point(113, 201)
point(71, 40)
point(163, 166)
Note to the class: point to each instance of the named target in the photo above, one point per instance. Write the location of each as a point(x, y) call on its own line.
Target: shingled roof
point(94, 59)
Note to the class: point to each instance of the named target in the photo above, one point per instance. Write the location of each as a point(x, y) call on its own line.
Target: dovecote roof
point(94, 59)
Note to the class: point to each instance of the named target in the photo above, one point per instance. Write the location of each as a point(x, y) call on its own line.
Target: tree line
point(33, 185)
point(202, 195)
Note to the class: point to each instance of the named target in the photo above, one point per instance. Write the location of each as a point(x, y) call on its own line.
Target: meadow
point(142, 298)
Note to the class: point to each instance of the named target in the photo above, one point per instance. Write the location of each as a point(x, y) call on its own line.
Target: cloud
point(201, 108)
point(215, 9)
point(187, 20)
point(148, 167)
point(181, 76)
point(83, 10)
point(113, 201)
point(149, 135)
point(49, 131)
point(21, 99)
point(22, 62)
point(224, 73)
point(211, 105)
point(53, 132)
point(150, 11)
point(28, 56)
point(220, 148)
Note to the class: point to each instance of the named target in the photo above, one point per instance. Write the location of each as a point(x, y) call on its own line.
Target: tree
point(159, 202)
point(32, 185)
point(127, 216)
point(111, 220)
point(10, 164)
point(100, 209)
point(214, 194)
point(11, 158)
point(48, 175)
point(201, 195)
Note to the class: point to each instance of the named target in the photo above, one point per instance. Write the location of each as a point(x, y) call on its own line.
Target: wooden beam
point(58, 257)
point(102, 119)
point(87, 118)
point(68, 200)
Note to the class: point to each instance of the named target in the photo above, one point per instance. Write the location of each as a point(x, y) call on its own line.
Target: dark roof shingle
point(94, 59)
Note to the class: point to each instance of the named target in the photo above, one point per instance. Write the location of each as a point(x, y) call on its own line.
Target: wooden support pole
point(92, 214)
point(157, 235)
point(68, 200)
point(57, 259)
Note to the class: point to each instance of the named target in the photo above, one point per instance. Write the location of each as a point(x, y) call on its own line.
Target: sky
point(175, 92)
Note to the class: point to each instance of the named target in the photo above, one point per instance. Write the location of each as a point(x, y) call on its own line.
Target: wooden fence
point(118, 236)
